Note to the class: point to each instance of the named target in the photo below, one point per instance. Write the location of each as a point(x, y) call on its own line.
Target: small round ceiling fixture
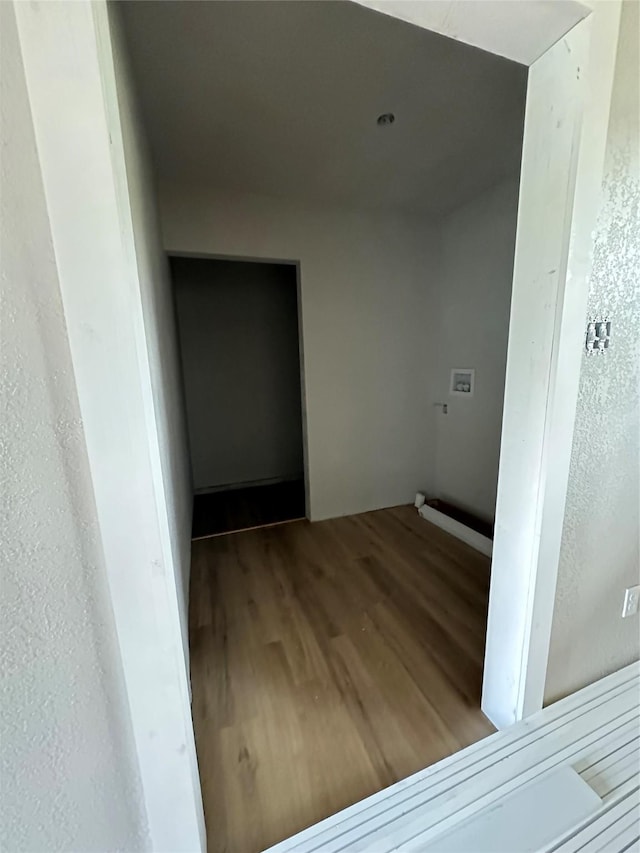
point(385, 119)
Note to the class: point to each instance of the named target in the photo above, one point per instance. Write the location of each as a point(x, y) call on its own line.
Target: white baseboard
point(455, 528)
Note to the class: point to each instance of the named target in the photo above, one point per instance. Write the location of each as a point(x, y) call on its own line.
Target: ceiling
point(494, 24)
point(281, 98)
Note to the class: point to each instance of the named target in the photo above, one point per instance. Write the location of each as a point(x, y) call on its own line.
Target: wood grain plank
point(328, 661)
point(614, 695)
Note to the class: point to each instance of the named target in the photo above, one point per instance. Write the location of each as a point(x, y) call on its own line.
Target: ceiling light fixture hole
point(385, 119)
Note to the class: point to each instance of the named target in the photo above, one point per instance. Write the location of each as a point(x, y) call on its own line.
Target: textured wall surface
point(600, 550)
point(68, 779)
point(472, 324)
point(367, 288)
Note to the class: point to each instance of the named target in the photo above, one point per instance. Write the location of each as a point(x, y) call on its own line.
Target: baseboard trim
point(455, 528)
point(247, 484)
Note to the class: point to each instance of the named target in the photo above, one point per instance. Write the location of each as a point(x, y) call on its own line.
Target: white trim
point(68, 62)
point(569, 343)
point(562, 169)
point(456, 528)
point(570, 48)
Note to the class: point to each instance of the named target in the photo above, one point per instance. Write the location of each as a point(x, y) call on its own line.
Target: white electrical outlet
point(631, 601)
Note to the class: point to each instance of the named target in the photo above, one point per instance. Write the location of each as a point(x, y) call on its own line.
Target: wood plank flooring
point(591, 738)
point(328, 661)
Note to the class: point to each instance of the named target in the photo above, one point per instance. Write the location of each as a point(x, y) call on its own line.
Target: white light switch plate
point(631, 601)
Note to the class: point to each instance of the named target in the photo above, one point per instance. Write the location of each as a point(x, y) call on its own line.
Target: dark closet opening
point(240, 354)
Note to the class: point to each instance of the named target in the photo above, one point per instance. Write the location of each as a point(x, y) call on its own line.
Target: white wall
point(472, 329)
point(366, 291)
point(69, 773)
point(600, 550)
point(159, 324)
point(240, 360)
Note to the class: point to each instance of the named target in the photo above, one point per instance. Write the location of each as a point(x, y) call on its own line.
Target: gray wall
point(238, 327)
point(600, 550)
point(69, 775)
point(471, 322)
point(159, 324)
point(366, 293)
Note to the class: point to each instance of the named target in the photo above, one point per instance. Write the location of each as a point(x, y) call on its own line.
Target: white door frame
point(570, 50)
point(68, 58)
point(303, 396)
point(571, 65)
point(566, 121)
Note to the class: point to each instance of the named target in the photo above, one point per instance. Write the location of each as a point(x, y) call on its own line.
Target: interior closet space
point(240, 357)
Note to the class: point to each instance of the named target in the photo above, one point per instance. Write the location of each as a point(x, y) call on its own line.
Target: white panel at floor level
point(525, 820)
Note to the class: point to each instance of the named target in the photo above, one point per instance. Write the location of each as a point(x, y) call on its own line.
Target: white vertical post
point(69, 70)
point(567, 110)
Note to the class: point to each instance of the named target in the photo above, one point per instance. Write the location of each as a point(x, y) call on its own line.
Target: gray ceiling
point(281, 98)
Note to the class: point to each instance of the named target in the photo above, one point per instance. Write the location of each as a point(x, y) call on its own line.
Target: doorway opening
point(351, 642)
point(241, 360)
point(559, 178)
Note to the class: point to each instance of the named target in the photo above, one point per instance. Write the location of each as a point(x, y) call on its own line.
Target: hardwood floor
point(328, 661)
